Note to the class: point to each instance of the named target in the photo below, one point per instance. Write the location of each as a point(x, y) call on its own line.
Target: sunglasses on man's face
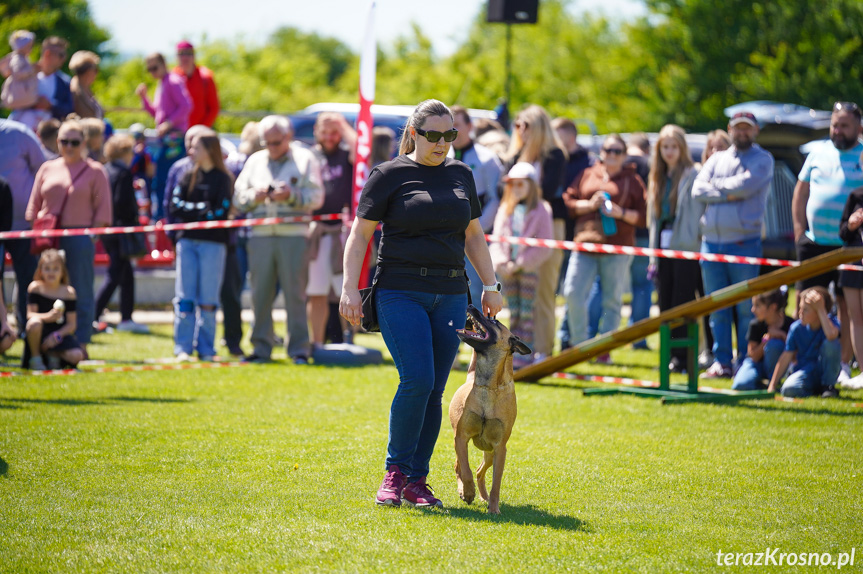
point(70, 143)
point(152, 69)
point(613, 150)
point(434, 137)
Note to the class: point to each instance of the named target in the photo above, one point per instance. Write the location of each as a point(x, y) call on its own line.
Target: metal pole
point(508, 61)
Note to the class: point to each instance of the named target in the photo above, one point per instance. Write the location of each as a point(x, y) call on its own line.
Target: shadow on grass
point(524, 514)
point(88, 402)
point(804, 408)
point(4, 467)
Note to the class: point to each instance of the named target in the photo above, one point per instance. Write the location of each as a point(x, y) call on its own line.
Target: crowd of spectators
point(58, 155)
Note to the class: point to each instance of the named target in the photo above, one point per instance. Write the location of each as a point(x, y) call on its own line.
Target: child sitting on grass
point(51, 316)
point(813, 341)
point(765, 339)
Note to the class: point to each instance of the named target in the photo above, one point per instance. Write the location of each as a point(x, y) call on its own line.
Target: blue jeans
point(581, 274)
point(751, 375)
point(720, 275)
point(200, 266)
point(24, 265)
point(80, 252)
point(814, 378)
point(419, 331)
point(594, 309)
point(642, 289)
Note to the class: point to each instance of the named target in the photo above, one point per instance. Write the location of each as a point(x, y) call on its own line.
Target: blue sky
point(157, 25)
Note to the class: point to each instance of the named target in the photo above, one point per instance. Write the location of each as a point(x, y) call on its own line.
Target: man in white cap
point(733, 185)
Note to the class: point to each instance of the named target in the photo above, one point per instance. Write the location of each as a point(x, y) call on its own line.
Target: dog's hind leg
point(466, 488)
point(487, 458)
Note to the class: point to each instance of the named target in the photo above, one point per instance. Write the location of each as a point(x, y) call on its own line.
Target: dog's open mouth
point(473, 330)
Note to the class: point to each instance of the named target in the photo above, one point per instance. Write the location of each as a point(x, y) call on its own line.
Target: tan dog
point(484, 409)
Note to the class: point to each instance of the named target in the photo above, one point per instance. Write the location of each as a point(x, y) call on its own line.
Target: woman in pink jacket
point(522, 213)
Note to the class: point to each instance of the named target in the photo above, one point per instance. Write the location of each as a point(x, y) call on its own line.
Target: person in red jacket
point(199, 84)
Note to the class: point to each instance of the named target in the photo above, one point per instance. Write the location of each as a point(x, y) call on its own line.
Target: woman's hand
point(141, 90)
point(492, 303)
point(597, 200)
point(351, 306)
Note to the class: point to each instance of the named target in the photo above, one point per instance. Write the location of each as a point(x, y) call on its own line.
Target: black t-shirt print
point(425, 211)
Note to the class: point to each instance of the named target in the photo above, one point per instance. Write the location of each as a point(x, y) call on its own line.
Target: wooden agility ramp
point(687, 313)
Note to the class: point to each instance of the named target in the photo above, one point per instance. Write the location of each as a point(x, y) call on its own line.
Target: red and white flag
point(365, 121)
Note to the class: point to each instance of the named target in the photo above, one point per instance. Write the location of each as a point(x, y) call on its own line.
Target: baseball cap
point(136, 130)
point(523, 170)
point(743, 117)
point(185, 45)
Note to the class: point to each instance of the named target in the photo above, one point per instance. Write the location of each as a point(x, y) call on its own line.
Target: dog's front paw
point(493, 509)
point(466, 491)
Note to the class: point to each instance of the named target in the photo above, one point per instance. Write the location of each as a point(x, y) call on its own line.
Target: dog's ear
point(516, 345)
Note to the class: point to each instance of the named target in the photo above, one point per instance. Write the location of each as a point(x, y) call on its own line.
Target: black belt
point(423, 271)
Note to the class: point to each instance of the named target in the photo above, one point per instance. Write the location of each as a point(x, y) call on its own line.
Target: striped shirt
point(832, 175)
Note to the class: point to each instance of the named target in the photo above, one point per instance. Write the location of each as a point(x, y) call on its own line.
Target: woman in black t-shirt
point(429, 209)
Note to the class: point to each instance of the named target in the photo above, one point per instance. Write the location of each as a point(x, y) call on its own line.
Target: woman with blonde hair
point(673, 220)
point(534, 141)
point(85, 65)
point(75, 189)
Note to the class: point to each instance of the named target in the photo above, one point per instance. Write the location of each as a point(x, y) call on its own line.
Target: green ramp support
point(688, 393)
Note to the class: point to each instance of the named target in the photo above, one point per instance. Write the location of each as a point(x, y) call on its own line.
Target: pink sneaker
point(420, 494)
point(390, 492)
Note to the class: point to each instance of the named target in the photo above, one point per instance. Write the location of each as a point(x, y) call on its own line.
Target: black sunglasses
point(71, 143)
point(152, 69)
point(434, 137)
point(613, 150)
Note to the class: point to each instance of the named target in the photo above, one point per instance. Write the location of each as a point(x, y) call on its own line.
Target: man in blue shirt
point(20, 158)
point(733, 185)
point(831, 172)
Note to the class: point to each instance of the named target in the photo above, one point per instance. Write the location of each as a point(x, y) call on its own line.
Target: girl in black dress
point(51, 316)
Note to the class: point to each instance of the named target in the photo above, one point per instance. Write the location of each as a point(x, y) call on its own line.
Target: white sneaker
point(844, 373)
point(133, 327)
point(37, 364)
point(853, 383)
point(183, 357)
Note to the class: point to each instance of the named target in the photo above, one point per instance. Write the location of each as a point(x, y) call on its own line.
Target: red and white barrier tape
point(528, 241)
point(216, 224)
point(126, 369)
point(647, 251)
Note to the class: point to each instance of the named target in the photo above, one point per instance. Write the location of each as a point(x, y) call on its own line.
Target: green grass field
point(274, 468)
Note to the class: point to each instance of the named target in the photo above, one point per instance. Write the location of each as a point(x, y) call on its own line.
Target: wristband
point(57, 336)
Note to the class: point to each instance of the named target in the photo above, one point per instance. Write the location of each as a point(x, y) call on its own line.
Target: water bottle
point(609, 225)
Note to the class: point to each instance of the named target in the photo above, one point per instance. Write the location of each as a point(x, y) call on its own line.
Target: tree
point(700, 56)
point(69, 19)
